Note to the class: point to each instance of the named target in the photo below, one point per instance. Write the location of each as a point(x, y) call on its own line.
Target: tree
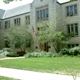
point(18, 35)
point(57, 38)
point(43, 34)
point(60, 39)
point(73, 0)
point(8, 1)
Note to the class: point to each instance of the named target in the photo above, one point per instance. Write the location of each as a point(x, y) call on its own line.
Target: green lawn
point(2, 57)
point(61, 65)
point(6, 78)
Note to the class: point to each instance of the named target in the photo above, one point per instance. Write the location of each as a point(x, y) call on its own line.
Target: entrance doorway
point(44, 47)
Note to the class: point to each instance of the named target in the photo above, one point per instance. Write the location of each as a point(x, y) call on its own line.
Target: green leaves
point(8, 1)
point(58, 38)
point(18, 34)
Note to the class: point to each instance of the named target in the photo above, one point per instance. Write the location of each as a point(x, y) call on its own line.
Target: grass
point(2, 57)
point(6, 78)
point(59, 65)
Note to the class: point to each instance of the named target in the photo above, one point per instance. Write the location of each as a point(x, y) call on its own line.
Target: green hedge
point(40, 54)
point(12, 55)
point(64, 51)
point(73, 51)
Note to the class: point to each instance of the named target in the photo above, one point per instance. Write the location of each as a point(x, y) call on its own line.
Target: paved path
point(10, 58)
point(30, 75)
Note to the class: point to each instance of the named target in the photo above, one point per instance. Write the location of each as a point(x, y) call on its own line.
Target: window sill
point(72, 15)
point(42, 19)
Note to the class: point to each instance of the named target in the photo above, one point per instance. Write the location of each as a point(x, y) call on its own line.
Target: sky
point(15, 3)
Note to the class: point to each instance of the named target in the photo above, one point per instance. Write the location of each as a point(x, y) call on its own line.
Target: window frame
point(7, 24)
point(69, 29)
point(27, 19)
point(17, 21)
point(73, 11)
point(72, 45)
point(41, 13)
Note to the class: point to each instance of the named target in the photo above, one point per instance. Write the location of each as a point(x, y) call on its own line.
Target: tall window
point(17, 21)
point(72, 45)
point(47, 12)
point(7, 24)
point(72, 28)
point(42, 13)
point(37, 14)
point(27, 19)
point(0, 25)
point(67, 10)
point(75, 9)
point(71, 10)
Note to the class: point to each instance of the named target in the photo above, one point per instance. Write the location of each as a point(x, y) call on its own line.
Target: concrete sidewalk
point(30, 75)
point(10, 58)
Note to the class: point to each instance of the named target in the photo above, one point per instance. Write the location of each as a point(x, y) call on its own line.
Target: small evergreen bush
point(13, 55)
point(74, 51)
point(39, 54)
point(64, 51)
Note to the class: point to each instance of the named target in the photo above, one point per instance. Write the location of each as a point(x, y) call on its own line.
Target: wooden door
point(44, 47)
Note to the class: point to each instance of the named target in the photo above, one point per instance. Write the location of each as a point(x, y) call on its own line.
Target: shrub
point(13, 55)
point(64, 51)
point(78, 55)
point(74, 51)
point(34, 54)
point(4, 53)
point(40, 54)
point(50, 54)
point(7, 49)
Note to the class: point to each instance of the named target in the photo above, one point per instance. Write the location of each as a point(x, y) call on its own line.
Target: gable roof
point(17, 11)
point(1, 13)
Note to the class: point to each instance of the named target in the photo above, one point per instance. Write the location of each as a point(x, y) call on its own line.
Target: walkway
point(10, 58)
point(30, 75)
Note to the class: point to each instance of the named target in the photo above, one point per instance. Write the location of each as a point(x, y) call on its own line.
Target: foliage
point(48, 33)
point(8, 1)
point(64, 51)
point(73, 0)
point(43, 34)
point(71, 52)
point(58, 38)
point(74, 51)
point(40, 54)
point(60, 65)
point(5, 51)
point(12, 55)
point(18, 35)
